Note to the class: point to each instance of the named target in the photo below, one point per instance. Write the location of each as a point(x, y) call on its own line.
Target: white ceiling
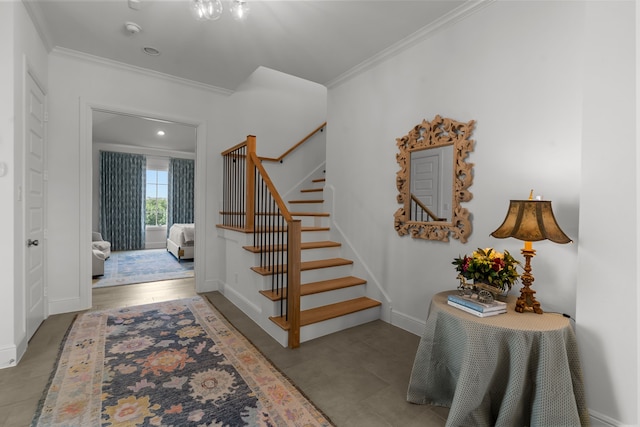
point(318, 40)
point(112, 128)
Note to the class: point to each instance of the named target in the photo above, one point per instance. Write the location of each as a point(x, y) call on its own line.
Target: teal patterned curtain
point(181, 189)
point(122, 199)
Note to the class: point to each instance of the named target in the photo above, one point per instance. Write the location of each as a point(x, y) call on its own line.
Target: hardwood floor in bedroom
point(357, 377)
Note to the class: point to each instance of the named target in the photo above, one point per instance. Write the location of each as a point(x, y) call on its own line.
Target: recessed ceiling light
point(160, 133)
point(151, 51)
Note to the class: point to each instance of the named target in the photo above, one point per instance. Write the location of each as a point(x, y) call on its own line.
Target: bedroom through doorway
point(143, 191)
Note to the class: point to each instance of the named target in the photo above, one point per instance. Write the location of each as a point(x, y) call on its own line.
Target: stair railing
point(296, 145)
point(419, 212)
point(251, 203)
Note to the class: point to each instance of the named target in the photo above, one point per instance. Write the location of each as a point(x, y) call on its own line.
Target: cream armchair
point(100, 244)
point(101, 251)
point(97, 263)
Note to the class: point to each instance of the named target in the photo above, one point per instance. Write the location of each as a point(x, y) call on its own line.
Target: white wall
point(9, 314)
point(76, 85)
point(607, 316)
point(21, 51)
point(518, 69)
point(280, 110)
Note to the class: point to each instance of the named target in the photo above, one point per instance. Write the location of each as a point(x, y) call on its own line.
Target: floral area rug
point(149, 265)
point(177, 363)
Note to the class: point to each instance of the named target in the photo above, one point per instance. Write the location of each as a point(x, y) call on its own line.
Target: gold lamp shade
point(531, 221)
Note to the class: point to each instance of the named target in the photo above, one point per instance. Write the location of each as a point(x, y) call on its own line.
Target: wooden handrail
point(235, 147)
point(426, 209)
point(302, 141)
point(272, 188)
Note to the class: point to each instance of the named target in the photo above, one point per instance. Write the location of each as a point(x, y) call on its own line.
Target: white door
point(425, 178)
point(34, 205)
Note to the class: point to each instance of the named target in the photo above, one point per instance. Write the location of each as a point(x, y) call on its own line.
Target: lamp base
point(527, 301)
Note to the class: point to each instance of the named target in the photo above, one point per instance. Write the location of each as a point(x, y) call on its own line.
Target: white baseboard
point(239, 300)
point(408, 323)
point(600, 420)
point(65, 306)
point(156, 245)
point(9, 356)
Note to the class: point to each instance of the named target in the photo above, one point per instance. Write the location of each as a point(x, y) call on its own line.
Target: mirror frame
point(437, 133)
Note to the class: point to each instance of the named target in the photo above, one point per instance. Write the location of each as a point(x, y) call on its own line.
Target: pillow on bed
point(188, 233)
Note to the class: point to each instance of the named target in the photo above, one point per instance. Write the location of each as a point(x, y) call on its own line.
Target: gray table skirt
point(513, 369)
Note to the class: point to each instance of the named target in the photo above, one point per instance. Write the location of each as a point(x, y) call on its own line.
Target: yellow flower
point(130, 412)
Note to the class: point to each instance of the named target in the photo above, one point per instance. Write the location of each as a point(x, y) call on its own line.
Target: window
point(157, 195)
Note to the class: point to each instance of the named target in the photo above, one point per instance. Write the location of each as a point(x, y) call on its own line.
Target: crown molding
point(35, 13)
point(456, 15)
point(74, 54)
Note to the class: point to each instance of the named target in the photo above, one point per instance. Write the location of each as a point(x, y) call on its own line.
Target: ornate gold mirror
point(434, 179)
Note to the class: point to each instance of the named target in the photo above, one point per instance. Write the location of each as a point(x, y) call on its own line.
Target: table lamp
point(531, 221)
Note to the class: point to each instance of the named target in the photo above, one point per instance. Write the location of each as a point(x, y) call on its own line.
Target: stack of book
point(470, 304)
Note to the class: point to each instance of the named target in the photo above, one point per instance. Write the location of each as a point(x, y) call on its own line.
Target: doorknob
point(32, 242)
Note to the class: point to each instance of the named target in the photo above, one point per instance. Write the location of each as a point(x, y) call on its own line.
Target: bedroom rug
point(148, 265)
point(175, 363)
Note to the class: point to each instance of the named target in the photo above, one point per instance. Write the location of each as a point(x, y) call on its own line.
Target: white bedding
point(181, 240)
point(182, 234)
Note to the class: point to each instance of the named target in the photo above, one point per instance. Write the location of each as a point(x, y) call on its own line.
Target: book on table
point(472, 302)
point(475, 312)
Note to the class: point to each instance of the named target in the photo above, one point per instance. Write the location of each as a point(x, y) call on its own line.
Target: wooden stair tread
point(319, 180)
point(312, 190)
point(306, 201)
point(306, 265)
point(309, 213)
point(303, 246)
point(318, 287)
point(305, 228)
point(331, 311)
point(284, 229)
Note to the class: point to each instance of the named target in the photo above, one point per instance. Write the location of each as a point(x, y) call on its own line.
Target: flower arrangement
point(489, 266)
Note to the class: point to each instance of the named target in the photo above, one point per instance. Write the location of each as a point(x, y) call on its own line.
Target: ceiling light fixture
point(151, 51)
point(132, 28)
point(160, 133)
point(211, 10)
point(239, 9)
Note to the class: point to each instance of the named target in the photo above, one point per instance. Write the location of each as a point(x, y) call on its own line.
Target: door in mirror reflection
point(431, 184)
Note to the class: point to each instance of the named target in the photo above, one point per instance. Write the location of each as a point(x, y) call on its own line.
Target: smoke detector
point(132, 28)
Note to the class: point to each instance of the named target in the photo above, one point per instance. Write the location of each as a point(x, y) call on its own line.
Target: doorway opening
point(111, 129)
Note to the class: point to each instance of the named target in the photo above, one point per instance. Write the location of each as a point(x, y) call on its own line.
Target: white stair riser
point(272, 308)
point(314, 236)
point(313, 221)
point(330, 326)
point(319, 274)
point(263, 283)
point(320, 253)
point(331, 297)
point(306, 207)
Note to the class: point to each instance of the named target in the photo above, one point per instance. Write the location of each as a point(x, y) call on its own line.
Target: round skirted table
point(512, 369)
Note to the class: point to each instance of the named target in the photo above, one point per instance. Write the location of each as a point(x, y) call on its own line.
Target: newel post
point(250, 183)
point(293, 281)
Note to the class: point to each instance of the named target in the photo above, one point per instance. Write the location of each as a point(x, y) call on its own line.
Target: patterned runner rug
point(148, 265)
point(175, 363)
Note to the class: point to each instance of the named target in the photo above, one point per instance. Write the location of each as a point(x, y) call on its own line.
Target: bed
point(180, 241)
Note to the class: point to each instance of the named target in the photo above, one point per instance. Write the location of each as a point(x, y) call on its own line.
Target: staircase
point(331, 298)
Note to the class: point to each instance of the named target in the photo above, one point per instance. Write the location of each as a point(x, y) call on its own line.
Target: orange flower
point(165, 361)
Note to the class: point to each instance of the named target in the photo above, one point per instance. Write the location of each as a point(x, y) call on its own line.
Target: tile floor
point(357, 377)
